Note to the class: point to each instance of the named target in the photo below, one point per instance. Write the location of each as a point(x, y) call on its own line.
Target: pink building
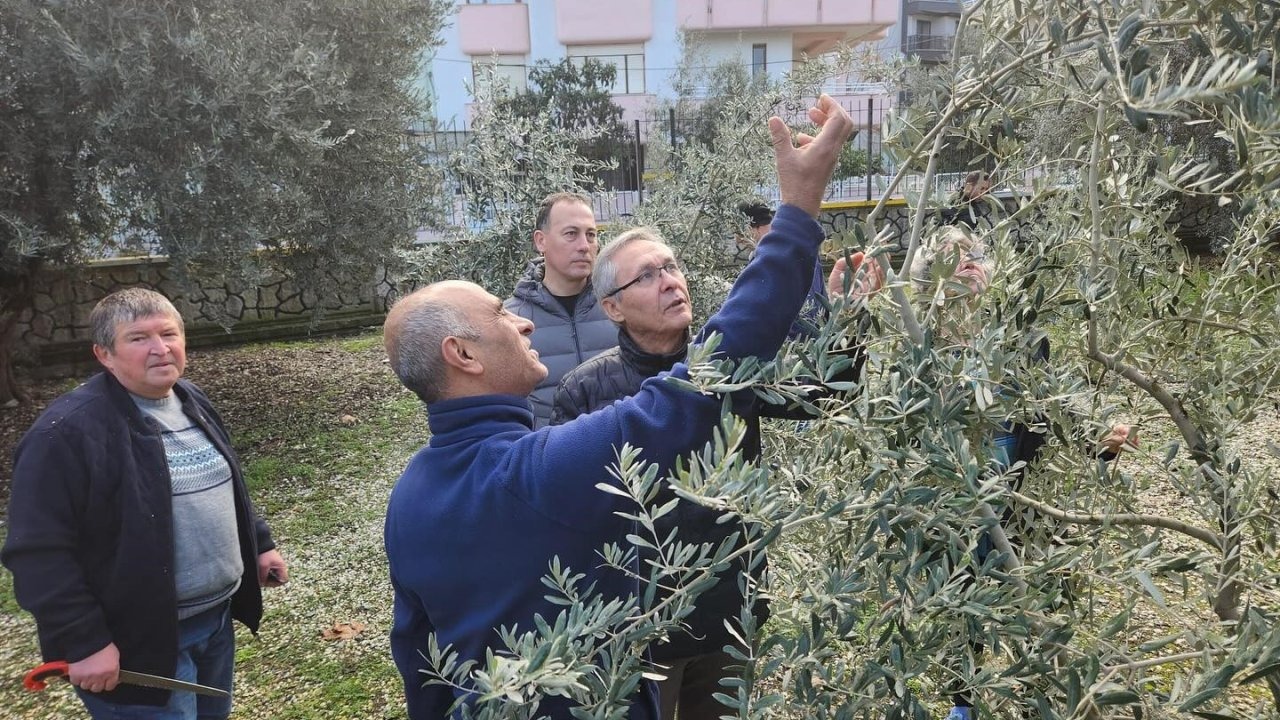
point(642, 39)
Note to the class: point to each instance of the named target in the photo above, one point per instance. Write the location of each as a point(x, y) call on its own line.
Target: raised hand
point(805, 165)
point(1120, 436)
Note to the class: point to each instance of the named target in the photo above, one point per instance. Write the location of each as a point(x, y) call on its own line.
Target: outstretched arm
point(668, 421)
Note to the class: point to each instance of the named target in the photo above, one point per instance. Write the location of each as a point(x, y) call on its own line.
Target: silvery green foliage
point(209, 132)
point(500, 174)
point(873, 517)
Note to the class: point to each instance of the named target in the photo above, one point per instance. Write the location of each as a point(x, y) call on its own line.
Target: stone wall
point(53, 335)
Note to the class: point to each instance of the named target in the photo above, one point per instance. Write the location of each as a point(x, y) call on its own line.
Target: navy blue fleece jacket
point(91, 531)
point(479, 513)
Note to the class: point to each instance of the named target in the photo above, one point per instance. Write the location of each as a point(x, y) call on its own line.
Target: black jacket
point(618, 373)
point(90, 538)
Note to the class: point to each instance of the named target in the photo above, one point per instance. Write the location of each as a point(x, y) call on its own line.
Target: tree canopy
point(208, 131)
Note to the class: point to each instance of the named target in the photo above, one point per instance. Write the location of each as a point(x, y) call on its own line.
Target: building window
point(508, 70)
point(759, 60)
point(924, 27)
point(627, 62)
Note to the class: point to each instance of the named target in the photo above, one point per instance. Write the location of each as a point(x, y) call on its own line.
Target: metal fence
point(618, 192)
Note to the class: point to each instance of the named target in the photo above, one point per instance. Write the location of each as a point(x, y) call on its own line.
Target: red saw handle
point(35, 680)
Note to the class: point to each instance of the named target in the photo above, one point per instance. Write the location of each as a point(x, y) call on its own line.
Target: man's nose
point(525, 326)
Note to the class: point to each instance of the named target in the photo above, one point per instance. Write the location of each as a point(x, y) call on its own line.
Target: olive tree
point(209, 131)
point(908, 560)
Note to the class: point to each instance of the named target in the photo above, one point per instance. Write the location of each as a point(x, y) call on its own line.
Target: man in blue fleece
point(478, 515)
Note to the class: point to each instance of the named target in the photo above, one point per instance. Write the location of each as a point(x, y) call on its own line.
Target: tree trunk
point(18, 296)
point(10, 392)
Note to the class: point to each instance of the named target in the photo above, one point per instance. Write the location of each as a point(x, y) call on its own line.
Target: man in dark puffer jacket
point(647, 297)
point(555, 293)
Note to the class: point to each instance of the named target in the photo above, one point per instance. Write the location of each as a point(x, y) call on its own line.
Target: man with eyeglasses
point(643, 291)
point(481, 513)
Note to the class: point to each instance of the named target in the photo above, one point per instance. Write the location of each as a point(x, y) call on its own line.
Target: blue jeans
point(206, 655)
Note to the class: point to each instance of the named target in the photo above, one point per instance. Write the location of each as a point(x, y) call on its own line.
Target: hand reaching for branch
point(867, 277)
point(805, 166)
point(1120, 436)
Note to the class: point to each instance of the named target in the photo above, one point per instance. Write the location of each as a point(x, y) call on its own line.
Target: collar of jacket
point(478, 416)
point(650, 364)
point(530, 289)
point(123, 401)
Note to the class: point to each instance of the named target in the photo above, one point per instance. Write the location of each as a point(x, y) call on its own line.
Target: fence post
point(871, 104)
point(639, 166)
point(671, 121)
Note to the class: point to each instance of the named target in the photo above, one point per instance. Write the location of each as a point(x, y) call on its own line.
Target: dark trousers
point(691, 682)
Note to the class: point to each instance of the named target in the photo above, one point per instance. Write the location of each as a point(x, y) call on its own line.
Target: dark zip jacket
point(90, 538)
point(619, 373)
point(562, 342)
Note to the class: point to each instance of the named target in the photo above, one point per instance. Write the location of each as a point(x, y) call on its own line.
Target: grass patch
point(8, 603)
point(363, 343)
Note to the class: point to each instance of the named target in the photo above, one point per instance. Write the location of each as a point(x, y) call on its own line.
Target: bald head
point(415, 331)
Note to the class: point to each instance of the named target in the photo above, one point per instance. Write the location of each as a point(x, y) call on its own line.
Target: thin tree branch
point(1127, 519)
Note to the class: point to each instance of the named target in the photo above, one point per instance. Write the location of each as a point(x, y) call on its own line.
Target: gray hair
point(604, 278)
point(125, 306)
point(414, 351)
point(951, 236)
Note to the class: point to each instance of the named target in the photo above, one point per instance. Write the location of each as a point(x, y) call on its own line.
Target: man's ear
point(612, 310)
point(456, 354)
point(539, 241)
point(102, 354)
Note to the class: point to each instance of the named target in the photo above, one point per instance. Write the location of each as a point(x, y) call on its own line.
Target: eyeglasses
point(975, 254)
point(647, 276)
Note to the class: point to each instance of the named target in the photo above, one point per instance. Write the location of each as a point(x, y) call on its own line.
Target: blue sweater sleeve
point(564, 462)
point(770, 291)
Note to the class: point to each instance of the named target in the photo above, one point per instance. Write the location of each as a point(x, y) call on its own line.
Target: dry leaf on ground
point(343, 631)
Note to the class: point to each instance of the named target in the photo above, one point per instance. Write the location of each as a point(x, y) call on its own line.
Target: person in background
point(759, 220)
point(132, 539)
point(970, 207)
point(957, 289)
point(643, 291)
point(555, 293)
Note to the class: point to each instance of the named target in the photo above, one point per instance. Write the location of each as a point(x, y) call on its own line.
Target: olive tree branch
point(1128, 519)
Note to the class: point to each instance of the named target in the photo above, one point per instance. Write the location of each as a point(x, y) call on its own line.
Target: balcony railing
point(932, 44)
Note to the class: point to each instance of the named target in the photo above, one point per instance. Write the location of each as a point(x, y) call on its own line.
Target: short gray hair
point(125, 306)
point(951, 236)
point(604, 278)
point(415, 350)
